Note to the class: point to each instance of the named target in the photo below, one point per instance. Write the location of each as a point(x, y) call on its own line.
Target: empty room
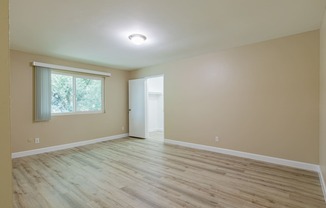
point(143, 103)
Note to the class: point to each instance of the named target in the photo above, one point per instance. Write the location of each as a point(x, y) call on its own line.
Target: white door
point(137, 106)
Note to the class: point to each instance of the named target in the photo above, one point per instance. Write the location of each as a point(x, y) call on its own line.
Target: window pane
point(88, 94)
point(62, 93)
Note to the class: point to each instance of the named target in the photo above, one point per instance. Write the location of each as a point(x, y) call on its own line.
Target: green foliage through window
point(72, 93)
point(88, 94)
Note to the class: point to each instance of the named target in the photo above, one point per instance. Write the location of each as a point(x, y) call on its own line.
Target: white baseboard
point(65, 146)
point(274, 160)
point(322, 182)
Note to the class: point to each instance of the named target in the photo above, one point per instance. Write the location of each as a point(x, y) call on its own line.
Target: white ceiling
point(96, 31)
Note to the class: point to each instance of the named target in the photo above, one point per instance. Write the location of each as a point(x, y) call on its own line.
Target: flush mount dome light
point(137, 39)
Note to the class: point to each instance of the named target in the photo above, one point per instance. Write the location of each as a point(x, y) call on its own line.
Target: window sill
point(76, 114)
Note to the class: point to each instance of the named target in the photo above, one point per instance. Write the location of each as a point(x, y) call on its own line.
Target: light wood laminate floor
point(146, 173)
point(157, 135)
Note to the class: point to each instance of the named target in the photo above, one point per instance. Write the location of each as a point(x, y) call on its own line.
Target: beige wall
point(62, 129)
point(5, 151)
point(261, 98)
point(322, 141)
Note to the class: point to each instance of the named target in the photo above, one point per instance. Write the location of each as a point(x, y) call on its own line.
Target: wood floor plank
point(136, 173)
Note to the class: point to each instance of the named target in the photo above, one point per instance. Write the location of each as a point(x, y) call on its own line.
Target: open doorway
point(155, 108)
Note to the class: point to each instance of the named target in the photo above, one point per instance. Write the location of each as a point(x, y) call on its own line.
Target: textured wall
point(5, 150)
point(69, 128)
point(261, 98)
point(322, 141)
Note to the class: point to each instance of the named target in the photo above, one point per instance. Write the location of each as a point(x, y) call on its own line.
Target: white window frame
point(74, 76)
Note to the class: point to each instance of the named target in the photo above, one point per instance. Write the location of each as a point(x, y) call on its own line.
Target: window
point(72, 93)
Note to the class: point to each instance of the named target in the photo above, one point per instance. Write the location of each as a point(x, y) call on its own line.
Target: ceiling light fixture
point(137, 39)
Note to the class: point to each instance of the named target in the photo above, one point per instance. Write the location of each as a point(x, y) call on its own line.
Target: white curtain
point(42, 94)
